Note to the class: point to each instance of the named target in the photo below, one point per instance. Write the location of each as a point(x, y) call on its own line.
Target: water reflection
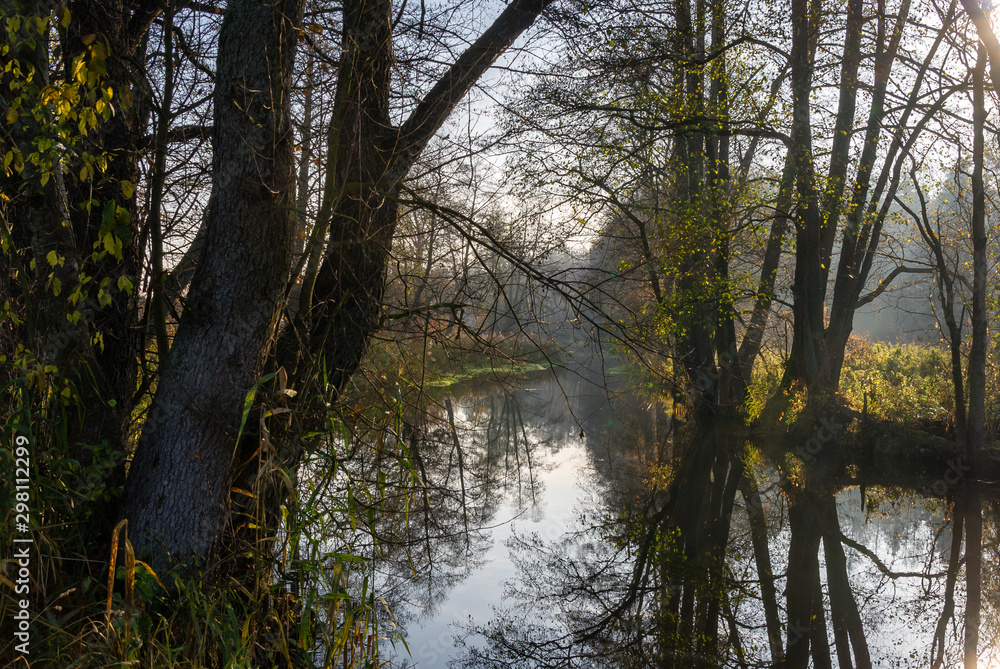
point(563, 525)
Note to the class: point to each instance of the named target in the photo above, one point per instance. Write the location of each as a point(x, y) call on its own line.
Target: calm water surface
point(538, 502)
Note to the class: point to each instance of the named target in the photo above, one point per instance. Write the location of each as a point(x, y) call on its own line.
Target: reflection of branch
point(948, 611)
point(638, 573)
point(881, 565)
point(461, 465)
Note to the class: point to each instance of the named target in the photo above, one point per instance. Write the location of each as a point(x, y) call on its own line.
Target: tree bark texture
point(178, 490)
point(370, 158)
point(178, 487)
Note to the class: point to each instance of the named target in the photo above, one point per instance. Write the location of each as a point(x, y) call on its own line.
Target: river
point(549, 529)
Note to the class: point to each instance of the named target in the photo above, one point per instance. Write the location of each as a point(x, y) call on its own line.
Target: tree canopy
point(211, 212)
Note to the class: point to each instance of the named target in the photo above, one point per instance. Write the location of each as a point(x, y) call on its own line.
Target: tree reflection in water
point(470, 458)
point(695, 554)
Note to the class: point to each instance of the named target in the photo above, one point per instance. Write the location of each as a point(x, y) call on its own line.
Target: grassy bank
point(426, 364)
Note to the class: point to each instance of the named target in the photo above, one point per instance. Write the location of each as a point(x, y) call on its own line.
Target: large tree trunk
point(178, 490)
point(177, 497)
point(370, 157)
point(807, 360)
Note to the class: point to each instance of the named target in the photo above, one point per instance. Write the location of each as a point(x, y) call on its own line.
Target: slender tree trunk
point(976, 430)
point(154, 222)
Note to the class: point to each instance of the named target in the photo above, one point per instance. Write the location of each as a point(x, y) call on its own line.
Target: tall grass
point(308, 601)
point(905, 382)
point(902, 382)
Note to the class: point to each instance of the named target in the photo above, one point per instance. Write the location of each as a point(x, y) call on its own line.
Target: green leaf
point(128, 190)
point(108, 215)
point(248, 403)
point(125, 284)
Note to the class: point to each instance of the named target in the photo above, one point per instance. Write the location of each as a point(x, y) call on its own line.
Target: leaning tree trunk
point(370, 159)
point(177, 496)
point(178, 490)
